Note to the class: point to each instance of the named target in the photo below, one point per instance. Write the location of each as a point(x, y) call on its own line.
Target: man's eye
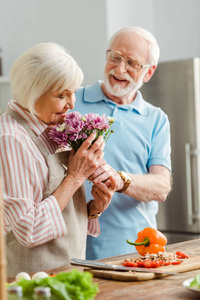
point(115, 58)
point(133, 63)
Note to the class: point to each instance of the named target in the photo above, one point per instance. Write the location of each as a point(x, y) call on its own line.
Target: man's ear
point(149, 74)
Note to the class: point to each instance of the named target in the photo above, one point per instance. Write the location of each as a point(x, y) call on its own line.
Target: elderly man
point(139, 148)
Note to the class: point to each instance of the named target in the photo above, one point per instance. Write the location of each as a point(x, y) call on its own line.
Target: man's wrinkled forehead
point(129, 38)
point(131, 43)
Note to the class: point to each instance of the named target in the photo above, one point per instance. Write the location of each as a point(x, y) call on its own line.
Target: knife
point(99, 265)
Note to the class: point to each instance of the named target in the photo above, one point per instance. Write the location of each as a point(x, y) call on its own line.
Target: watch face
point(127, 180)
point(126, 176)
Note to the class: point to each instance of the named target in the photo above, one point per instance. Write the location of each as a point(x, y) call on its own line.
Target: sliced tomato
point(166, 263)
point(140, 263)
point(130, 264)
point(181, 254)
point(156, 263)
point(147, 263)
point(178, 262)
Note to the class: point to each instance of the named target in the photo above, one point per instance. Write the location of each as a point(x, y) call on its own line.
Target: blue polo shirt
point(141, 138)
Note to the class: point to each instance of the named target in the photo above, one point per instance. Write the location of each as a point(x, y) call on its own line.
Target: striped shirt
point(24, 175)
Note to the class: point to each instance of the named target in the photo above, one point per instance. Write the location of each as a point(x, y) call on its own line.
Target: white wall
point(175, 23)
point(178, 28)
point(75, 24)
point(84, 26)
point(130, 13)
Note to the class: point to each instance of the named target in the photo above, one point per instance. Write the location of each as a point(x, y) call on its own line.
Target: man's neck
point(126, 99)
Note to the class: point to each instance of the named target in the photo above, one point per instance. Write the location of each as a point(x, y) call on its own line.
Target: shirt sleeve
point(161, 143)
point(33, 221)
point(94, 227)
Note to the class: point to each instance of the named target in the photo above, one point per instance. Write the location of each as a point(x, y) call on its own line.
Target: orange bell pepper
point(149, 241)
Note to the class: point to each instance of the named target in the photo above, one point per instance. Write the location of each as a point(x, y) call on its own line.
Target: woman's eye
point(62, 96)
point(66, 95)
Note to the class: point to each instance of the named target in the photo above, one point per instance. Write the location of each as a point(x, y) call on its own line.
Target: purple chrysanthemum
point(77, 128)
point(94, 121)
point(75, 122)
point(60, 137)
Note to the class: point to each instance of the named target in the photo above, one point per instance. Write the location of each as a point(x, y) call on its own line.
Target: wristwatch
point(94, 216)
point(127, 180)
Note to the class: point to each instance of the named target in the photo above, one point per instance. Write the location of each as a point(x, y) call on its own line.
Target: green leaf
point(74, 285)
point(196, 281)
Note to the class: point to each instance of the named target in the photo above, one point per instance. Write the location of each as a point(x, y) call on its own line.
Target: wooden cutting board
point(193, 263)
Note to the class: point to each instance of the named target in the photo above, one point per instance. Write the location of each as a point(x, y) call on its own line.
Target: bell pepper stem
point(145, 242)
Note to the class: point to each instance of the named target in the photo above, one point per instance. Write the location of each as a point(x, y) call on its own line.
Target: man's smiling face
point(119, 79)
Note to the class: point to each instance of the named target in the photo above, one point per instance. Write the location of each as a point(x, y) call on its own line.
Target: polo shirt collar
point(94, 94)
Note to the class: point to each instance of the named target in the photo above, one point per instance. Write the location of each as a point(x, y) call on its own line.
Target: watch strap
point(126, 179)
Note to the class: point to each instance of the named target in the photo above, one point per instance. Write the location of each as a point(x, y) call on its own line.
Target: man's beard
point(119, 91)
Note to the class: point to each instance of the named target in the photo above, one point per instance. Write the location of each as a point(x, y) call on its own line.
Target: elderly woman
point(46, 215)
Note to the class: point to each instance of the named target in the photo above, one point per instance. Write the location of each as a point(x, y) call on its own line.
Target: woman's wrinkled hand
point(102, 195)
point(87, 158)
point(104, 173)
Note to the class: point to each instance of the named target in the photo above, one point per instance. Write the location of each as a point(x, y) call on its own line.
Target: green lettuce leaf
point(196, 282)
point(74, 285)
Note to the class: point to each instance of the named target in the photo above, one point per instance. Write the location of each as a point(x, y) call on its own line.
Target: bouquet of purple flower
point(76, 129)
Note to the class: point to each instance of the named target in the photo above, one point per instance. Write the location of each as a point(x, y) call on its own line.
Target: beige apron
point(58, 252)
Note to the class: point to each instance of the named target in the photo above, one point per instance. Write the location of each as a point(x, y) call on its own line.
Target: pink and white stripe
point(25, 176)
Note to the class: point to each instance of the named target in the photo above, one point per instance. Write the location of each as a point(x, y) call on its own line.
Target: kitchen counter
point(169, 287)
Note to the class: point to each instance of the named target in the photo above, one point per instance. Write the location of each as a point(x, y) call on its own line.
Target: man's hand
point(105, 173)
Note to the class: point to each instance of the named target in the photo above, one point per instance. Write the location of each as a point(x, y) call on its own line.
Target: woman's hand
point(80, 166)
point(87, 158)
point(102, 195)
point(104, 173)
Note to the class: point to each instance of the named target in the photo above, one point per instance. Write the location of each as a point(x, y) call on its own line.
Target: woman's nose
point(71, 100)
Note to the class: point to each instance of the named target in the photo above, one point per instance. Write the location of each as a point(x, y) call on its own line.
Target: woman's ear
point(149, 74)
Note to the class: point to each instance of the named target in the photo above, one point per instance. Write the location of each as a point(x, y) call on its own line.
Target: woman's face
point(52, 106)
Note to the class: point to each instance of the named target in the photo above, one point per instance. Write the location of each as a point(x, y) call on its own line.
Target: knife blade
point(99, 265)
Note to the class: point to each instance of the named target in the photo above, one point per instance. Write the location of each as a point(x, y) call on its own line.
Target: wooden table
point(165, 288)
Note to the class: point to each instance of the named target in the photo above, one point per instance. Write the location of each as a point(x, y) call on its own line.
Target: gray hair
point(154, 51)
point(41, 68)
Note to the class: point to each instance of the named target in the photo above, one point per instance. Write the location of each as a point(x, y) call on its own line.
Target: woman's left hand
point(105, 173)
point(102, 195)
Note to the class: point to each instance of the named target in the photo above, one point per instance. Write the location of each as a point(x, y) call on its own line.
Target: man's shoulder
point(80, 91)
point(91, 87)
point(90, 93)
point(153, 109)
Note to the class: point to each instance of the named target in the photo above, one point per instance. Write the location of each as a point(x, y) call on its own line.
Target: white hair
point(41, 68)
point(154, 51)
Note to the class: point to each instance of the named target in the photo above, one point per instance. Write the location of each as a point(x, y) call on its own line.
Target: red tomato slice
point(140, 263)
point(178, 262)
point(166, 263)
point(156, 263)
point(130, 264)
point(147, 263)
point(181, 254)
